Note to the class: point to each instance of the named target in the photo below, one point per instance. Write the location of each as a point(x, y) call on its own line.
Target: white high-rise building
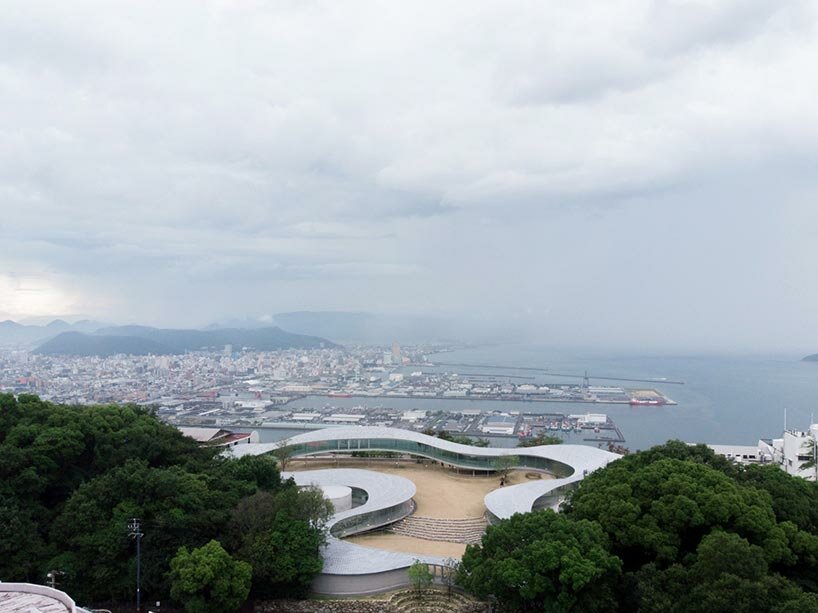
point(795, 448)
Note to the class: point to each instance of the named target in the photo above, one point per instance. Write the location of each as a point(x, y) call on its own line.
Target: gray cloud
point(633, 173)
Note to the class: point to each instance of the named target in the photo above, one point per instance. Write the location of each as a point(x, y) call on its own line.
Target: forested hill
point(72, 476)
point(143, 340)
point(674, 529)
point(811, 358)
point(77, 343)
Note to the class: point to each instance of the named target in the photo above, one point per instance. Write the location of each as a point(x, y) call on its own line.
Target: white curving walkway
point(387, 493)
point(574, 460)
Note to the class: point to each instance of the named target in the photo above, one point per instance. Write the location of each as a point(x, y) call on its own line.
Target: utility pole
point(52, 578)
point(135, 532)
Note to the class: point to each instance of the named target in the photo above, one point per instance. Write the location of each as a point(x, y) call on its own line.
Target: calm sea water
point(724, 399)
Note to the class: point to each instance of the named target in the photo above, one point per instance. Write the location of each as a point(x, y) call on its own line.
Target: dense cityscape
point(265, 379)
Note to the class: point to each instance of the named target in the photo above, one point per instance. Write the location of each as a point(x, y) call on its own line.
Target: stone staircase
point(434, 601)
point(468, 531)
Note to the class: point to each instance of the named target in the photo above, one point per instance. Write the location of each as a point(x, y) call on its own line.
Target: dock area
point(503, 427)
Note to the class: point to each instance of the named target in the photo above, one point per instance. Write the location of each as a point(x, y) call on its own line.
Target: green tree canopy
point(175, 506)
point(681, 519)
point(48, 451)
point(71, 477)
point(419, 575)
point(794, 500)
point(285, 557)
point(686, 530)
point(660, 511)
point(727, 574)
point(541, 439)
point(283, 454)
point(504, 463)
point(543, 561)
point(281, 534)
point(254, 514)
point(208, 580)
point(461, 439)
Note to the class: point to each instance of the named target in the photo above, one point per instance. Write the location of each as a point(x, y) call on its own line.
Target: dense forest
point(71, 477)
point(671, 529)
point(674, 528)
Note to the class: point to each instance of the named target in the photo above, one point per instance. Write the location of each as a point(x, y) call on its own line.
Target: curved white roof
point(502, 503)
point(385, 491)
point(33, 598)
point(335, 491)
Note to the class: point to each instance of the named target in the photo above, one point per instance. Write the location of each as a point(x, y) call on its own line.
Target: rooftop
point(385, 491)
point(31, 598)
point(579, 460)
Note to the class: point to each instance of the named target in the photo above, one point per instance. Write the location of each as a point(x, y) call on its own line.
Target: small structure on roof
point(215, 438)
point(499, 424)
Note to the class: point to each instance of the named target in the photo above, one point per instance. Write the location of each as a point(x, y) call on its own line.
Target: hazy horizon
point(629, 176)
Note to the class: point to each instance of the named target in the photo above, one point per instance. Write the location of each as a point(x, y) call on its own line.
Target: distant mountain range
point(79, 344)
point(811, 358)
point(143, 340)
point(12, 333)
point(303, 329)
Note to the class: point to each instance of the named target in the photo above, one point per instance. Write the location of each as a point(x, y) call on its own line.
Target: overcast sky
point(641, 174)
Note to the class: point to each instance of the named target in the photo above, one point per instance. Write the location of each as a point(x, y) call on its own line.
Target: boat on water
point(646, 402)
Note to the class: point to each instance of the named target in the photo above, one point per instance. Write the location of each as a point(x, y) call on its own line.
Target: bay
point(724, 399)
